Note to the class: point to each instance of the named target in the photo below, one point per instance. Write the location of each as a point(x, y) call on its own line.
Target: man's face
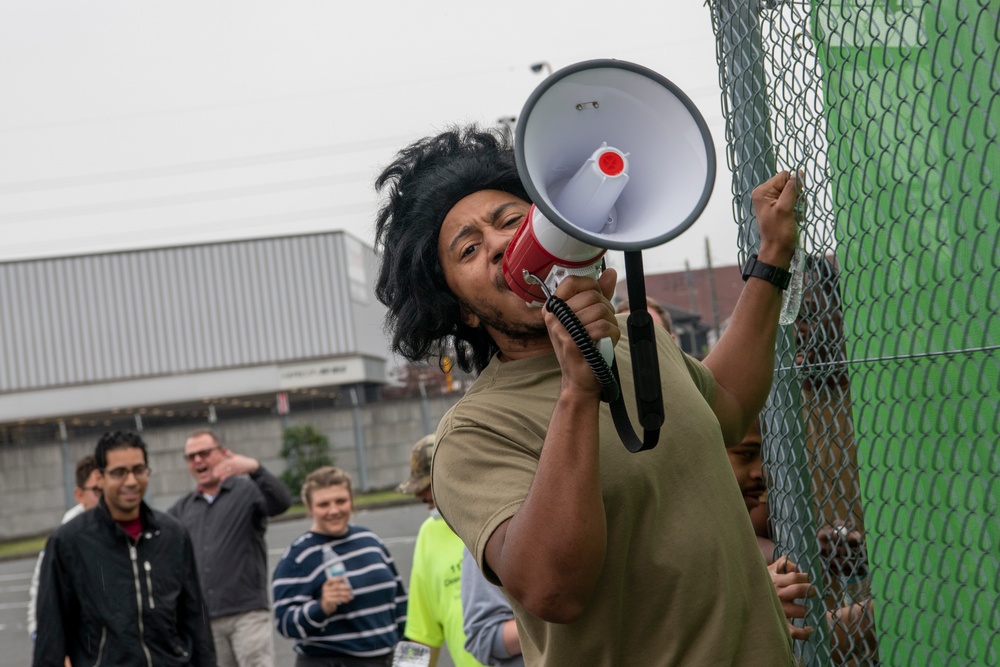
point(426, 497)
point(471, 244)
point(202, 454)
point(746, 462)
point(90, 494)
point(123, 488)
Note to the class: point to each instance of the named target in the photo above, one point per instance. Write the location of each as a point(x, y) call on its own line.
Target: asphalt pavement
point(396, 525)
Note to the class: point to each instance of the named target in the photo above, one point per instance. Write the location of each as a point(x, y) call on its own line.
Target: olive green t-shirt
point(684, 582)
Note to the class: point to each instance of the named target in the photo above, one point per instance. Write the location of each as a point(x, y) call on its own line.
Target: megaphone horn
point(644, 126)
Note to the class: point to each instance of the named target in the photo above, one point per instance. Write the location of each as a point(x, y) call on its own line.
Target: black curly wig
point(422, 184)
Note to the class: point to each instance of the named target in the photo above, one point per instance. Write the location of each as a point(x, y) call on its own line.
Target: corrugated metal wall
point(82, 320)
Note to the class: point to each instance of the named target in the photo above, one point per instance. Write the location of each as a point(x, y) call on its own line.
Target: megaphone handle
point(606, 376)
point(607, 350)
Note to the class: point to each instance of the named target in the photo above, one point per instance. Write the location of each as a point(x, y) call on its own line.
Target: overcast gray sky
point(131, 124)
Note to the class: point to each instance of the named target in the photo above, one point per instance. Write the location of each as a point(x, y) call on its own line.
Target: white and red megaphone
point(614, 156)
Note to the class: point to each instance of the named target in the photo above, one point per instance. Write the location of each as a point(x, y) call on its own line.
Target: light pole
point(542, 65)
point(506, 124)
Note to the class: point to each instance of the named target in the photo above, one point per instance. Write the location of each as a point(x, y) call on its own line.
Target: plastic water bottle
point(334, 564)
point(854, 588)
point(791, 300)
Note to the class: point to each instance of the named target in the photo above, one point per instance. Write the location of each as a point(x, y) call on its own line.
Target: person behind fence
point(434, 606)
point(657, 312)
point(227, 516)
point(821, 354)
point(119, 584)
point(607, 557)
point(87, 493)
point(336, 589)
point(852, 626)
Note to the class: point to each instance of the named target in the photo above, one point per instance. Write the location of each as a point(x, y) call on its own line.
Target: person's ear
point(469, 319)
point(78, 495)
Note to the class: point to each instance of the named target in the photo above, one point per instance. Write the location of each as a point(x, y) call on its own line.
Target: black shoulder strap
point(624, 425)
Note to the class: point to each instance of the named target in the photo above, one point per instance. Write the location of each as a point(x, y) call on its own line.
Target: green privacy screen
point(884, 413)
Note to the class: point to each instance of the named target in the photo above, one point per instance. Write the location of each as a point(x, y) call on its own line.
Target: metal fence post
point(359, 440)
point(741, 55)
point(69, 483)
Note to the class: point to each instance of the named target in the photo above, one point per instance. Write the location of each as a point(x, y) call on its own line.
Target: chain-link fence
point(882, 427)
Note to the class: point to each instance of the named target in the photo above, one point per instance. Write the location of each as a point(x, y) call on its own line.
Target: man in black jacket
point(119, 584)
point(227, 517)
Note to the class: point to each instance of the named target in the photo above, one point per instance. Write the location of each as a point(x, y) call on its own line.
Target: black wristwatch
point(772, 274)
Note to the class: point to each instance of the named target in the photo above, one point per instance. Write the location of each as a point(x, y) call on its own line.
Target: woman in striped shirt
point(338, 618)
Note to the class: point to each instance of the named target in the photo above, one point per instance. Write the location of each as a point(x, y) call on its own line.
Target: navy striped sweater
point(367, 626)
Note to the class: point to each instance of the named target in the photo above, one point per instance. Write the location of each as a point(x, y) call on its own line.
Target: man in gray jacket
point(227, 518)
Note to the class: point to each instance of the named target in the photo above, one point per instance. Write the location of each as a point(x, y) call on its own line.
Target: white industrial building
point(180, 329)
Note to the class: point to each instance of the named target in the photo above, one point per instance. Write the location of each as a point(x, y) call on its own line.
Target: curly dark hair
point(117, 440)
point(423, 183)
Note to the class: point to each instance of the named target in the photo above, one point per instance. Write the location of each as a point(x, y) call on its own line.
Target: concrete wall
point(32, 488)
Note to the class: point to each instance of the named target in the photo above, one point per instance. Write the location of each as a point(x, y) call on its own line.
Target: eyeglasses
point(98, 491)
point(140, 471)
point(203, 454)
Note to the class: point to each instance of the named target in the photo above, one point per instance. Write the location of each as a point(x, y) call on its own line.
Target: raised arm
point(275, 495)
point(549, 555)
point(743, 359)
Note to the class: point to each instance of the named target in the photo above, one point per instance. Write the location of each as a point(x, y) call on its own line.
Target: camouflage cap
point(420, 466)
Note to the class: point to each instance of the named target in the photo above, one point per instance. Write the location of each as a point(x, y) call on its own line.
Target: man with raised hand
point(227, 518)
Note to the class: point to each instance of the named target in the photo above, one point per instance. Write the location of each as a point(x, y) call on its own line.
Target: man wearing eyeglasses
point(119, 584)
point(227, 518)
point(86, 493)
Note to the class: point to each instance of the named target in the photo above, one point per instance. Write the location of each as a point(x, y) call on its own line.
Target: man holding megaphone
point(607, 557)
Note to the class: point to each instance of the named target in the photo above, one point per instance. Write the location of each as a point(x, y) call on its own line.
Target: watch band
point(754, 268)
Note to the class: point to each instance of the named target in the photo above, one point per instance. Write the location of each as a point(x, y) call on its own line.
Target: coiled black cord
point(609, 386)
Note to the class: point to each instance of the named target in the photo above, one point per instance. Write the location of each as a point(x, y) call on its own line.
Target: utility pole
point(711, 289)
point(506, 124)
point(689, 282)
point(69, 480)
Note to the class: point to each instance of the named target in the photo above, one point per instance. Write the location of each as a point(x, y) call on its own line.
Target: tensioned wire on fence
point(882, 441)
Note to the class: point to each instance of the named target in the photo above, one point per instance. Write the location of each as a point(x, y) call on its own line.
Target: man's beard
point(493, 318)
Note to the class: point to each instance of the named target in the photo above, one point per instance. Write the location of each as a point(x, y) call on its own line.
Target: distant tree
point(304, 449)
